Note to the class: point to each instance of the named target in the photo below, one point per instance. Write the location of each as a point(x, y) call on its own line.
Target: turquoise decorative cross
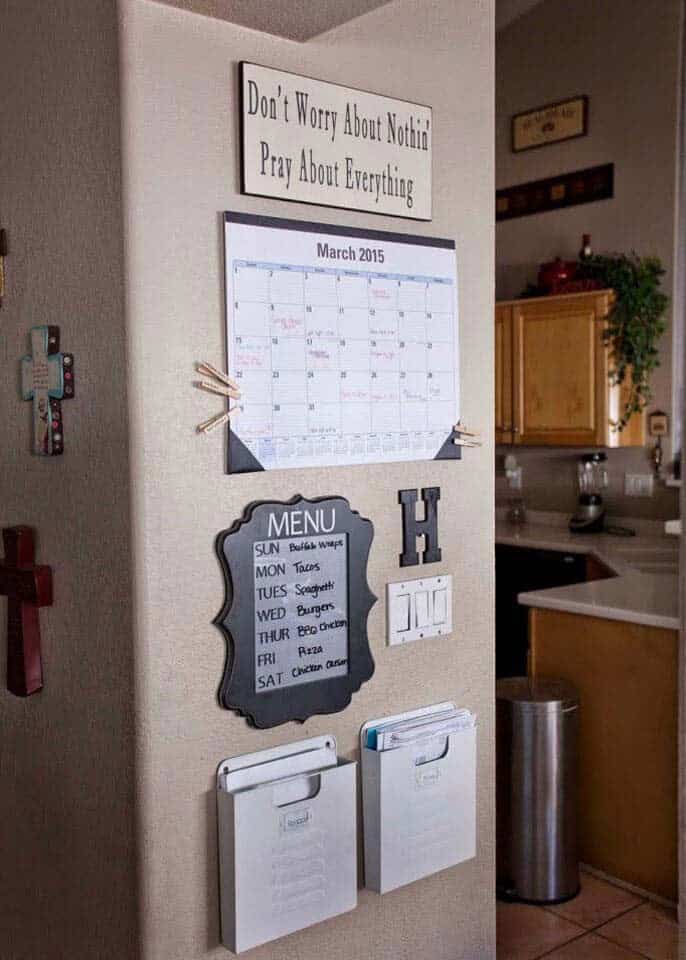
point(47, 378)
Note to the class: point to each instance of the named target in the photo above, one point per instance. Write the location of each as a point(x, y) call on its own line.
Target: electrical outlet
point(638, 484)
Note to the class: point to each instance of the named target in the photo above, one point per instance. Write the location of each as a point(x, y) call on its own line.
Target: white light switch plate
point(638, 484)
point(417, 609)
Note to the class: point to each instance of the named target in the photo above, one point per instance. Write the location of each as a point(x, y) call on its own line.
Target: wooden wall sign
point(295, 615)
point(555, 193)
point(27, 587)
point(564, 120)
point(318, 142)
point(47, 378)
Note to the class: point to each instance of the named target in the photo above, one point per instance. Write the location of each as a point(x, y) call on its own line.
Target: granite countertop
point(644, 589)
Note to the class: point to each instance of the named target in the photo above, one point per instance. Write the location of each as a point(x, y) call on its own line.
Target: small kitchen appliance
point(592, 478)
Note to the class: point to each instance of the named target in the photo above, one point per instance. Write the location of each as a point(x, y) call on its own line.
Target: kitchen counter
point(644, 589)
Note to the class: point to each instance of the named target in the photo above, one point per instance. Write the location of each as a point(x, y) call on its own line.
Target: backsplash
point(549, 482)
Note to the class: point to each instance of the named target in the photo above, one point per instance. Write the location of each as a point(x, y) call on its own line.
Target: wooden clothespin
point(459, 442)
point(465, 437)
point(207, 426)
point(464, 432)
point(218, 388)
point(211, 371)
point(225, 387)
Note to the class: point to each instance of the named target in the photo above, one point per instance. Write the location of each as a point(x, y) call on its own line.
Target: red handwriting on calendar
point(286, 323)
point(251, 359)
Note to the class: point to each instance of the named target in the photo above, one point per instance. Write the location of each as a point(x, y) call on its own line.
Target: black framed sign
point(551, 123)
point(296, 608)
point(317, 142)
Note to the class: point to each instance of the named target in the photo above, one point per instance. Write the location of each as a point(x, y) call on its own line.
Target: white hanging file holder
point(418, 794)
point(287, 840)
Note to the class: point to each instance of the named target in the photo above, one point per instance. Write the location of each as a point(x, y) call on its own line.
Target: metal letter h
point(413, 528)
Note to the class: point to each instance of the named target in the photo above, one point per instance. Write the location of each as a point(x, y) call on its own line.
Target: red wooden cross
point(27, 587)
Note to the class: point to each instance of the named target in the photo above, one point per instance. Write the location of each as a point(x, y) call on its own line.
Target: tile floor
point(603, 923)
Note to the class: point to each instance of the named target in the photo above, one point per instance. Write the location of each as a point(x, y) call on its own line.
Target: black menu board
point(296, 609)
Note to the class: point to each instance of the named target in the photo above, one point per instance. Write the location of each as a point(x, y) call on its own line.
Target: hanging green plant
point(635, 324)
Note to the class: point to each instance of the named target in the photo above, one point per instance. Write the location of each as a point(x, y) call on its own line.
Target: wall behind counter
point(549, 482)
point(625, 56)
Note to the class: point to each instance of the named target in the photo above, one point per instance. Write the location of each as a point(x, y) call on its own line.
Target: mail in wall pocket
point(419, 794)
point(287, 840)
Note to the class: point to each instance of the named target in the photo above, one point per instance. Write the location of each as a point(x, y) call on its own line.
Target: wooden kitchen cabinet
point(626, 675)
point(503, 374)
point(552, 386)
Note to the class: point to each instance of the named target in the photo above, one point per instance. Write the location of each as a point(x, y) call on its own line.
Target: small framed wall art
point(564, 120)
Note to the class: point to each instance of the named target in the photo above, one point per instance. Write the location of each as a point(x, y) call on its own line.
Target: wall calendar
point(343, 342)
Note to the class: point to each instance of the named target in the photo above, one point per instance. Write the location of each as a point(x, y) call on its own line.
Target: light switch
point(422, 608)
point(638, 484)
point(440, 606)
point(401, 613)
point(419, 609)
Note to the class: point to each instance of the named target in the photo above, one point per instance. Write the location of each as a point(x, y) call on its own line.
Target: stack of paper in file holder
point(287, 840)
point(419, 794)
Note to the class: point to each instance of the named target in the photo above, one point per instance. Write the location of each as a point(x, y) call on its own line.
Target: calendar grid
point(339, 364)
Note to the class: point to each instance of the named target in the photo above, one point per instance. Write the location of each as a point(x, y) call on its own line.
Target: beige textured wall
point(67, 870)
point(625, 56)
point(181, 161)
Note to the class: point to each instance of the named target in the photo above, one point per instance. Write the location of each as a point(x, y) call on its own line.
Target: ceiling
point(292, 19)
point(508, 10)
point(303, 19)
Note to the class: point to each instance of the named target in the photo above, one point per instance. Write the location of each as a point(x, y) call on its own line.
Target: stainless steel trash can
point(536, 759)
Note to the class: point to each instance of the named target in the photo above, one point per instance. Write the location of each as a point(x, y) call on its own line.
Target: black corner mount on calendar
point(449, 450)
point(239, 458)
